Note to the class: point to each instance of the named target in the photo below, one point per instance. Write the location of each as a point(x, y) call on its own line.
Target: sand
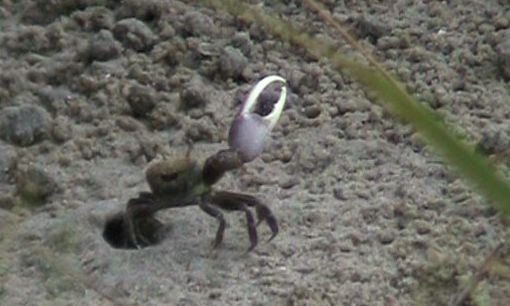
point(92, 91)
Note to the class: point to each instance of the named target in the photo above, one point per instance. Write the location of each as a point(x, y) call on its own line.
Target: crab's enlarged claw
point(250, 129)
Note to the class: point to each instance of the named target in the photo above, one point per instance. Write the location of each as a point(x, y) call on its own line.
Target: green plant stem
point(389, 92)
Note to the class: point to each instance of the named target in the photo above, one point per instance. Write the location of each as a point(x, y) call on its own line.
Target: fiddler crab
point(183, 182)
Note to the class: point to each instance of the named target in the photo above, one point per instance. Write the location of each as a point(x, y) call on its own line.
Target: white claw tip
point(255, 93)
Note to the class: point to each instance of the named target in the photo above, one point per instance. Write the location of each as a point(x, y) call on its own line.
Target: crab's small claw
point(137, 208)
point(250, 128)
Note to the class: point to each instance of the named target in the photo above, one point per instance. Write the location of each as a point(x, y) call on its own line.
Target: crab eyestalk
point(249, 130)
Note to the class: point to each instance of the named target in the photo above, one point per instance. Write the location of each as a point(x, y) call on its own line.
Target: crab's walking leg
point(238, 201)
point(263, 212)
point(228, 204)
point(216, 213)
point(137, 208)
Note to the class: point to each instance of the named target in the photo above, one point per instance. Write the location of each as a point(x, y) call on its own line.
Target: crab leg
point(227, 200)
point(216, 213)
point(238, 201)
point(136, 208)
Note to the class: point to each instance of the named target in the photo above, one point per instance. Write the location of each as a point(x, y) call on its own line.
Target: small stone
point(312, 111)
point(422, 227)
point(200, 131)
point(353, 105)
point(243, 42)
point(232, 62)
point(134, 34)
point(197, 24)
point(295, 79)
point(288, 182)
point(24, 125)
point(102, 47)
point(53, 98)
point(494, 140)
point(163, 116)
point(215, 294)
point(386, 236)
point(62, 129)
point(371, 28)
point(388, 42)
point(128, 124)
point(94, 18)
point(339, 194)
point(311, 80)
point(34, 184)
point(142, 99)
point(194, 94)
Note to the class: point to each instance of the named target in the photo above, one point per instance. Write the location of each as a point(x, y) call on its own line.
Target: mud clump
point(34, 185)
point(232, 62)
point(193, 95)
point(141, 99)
point(24, 125)
point(102, 47)
point(134, 34)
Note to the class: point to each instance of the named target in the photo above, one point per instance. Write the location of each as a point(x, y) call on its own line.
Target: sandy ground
point(92, 91)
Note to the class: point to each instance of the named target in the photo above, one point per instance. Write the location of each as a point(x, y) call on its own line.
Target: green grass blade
point(393, 96)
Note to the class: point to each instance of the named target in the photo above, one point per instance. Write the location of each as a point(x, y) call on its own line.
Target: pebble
point(142, 99)
point(194, 94)
point(35, 184)
point(128, 124)
point(54, 98)
point(494, 140)
point(312, 111)
point(288, 182)
point(386, 236)
point(370, 27)
point(94, 18)
point(339, 194)
point(243, 42)
point(62, 129)
point(102, 47)
point(422, 227)
point(232, 62)
point(24, 125)
point(197, 24)
point(134, 34)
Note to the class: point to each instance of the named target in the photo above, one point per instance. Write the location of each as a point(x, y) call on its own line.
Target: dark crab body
point(178, 183)
point(181, 183)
